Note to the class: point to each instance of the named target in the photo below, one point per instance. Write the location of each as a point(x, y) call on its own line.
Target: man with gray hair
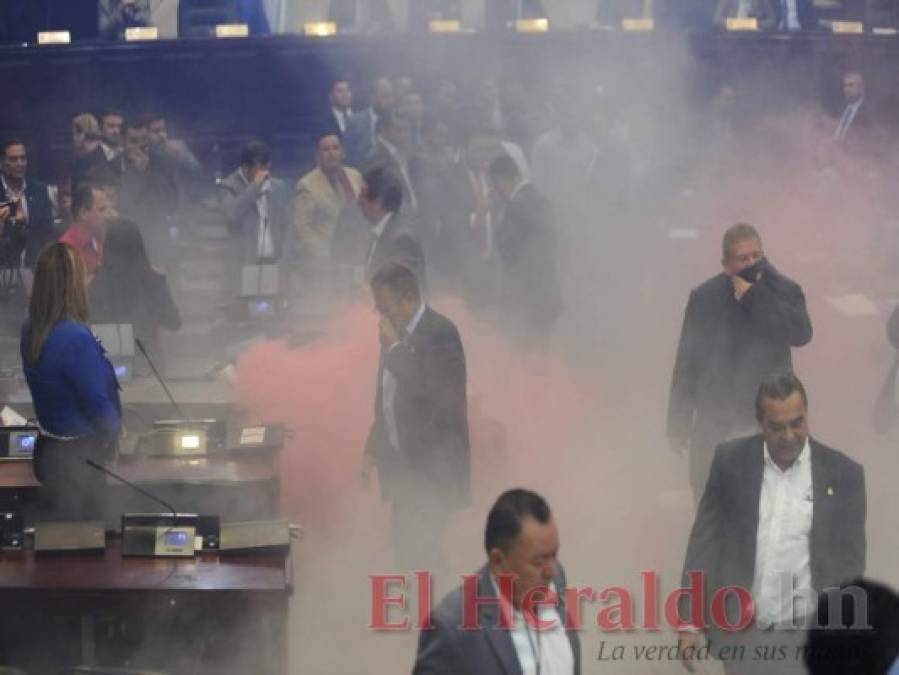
point(738, 327)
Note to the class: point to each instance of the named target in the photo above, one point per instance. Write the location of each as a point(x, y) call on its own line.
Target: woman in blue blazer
point(73, 387)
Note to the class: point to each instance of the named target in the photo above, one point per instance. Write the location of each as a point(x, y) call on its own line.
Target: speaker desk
point(208, 614)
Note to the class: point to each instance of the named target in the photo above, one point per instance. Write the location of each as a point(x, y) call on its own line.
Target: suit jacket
point(726, 348)
point(317, 209)
point(380, 157)
point(40, 219)
point(359, 137)
point(527, 247)
point(345, 14)
point(431, 414)
point(397, 244)
point(237, 199)
point(723, 539)
point(446, 649)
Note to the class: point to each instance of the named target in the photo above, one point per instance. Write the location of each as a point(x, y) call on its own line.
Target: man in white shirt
point(782, 516)
point(520, 602)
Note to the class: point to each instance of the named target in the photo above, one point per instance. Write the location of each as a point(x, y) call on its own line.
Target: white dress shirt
point(109, 152)
point(376, 232)
point(550, 648)
point(782, 557)
point(342, 117)
point(388, 386)
point(17, 195)
point(265, 246)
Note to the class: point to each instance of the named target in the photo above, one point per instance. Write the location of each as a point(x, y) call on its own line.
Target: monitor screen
point(21, 443)
point(176, 538)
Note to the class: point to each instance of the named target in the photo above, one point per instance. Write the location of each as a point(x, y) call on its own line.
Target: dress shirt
point(342, 118)
point(265, 247)
point(73, 385)
point(376, 233)
point(388, 386)
point(550, 647)
point(481, 220)
point(782, 541)
point(17, 196)
point(848, 117)
point(109, 152)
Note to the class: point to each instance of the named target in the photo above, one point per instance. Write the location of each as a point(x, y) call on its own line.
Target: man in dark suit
point(361, 16)
point(393, 150)
point(527, 248)
point(28, 221)
point(360, 132)
point(522, 544)
point(738, 327)
point(340, 101)
point(857, 124)
point(782, 515)
point(419, 439)
point(392, 239)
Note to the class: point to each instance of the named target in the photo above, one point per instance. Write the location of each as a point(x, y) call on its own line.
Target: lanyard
point(537, 650)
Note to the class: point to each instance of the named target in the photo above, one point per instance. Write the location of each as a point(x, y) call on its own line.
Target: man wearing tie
point(419, 438)
point(341, 100)
point(855, 120)
point(321, 197)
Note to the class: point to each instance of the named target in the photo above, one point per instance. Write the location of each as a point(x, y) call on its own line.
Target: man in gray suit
point(359, 138)
point(522, 544)
point(256, 208)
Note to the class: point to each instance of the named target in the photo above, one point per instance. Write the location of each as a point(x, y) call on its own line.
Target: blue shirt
point(73, 385)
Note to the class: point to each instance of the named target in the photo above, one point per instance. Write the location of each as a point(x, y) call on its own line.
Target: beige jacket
point(316, 211)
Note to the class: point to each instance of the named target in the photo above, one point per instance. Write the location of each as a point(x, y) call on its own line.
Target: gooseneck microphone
point(125, 481)
point(177, 408)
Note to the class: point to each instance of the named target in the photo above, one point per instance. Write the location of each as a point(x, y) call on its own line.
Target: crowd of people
point(416, 194)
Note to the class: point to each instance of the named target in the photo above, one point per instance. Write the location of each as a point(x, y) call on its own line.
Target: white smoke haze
point(584, 424)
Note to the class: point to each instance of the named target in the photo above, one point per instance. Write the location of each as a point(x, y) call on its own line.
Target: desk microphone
point(125, 481)
point(177, 408)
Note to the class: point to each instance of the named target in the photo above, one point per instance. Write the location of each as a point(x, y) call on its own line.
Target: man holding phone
point(738, 328)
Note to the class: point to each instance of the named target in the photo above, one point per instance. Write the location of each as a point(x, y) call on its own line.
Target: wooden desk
point(215, 614)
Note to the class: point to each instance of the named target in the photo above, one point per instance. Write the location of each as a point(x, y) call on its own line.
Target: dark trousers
point(70, 488)
point(417, 530)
